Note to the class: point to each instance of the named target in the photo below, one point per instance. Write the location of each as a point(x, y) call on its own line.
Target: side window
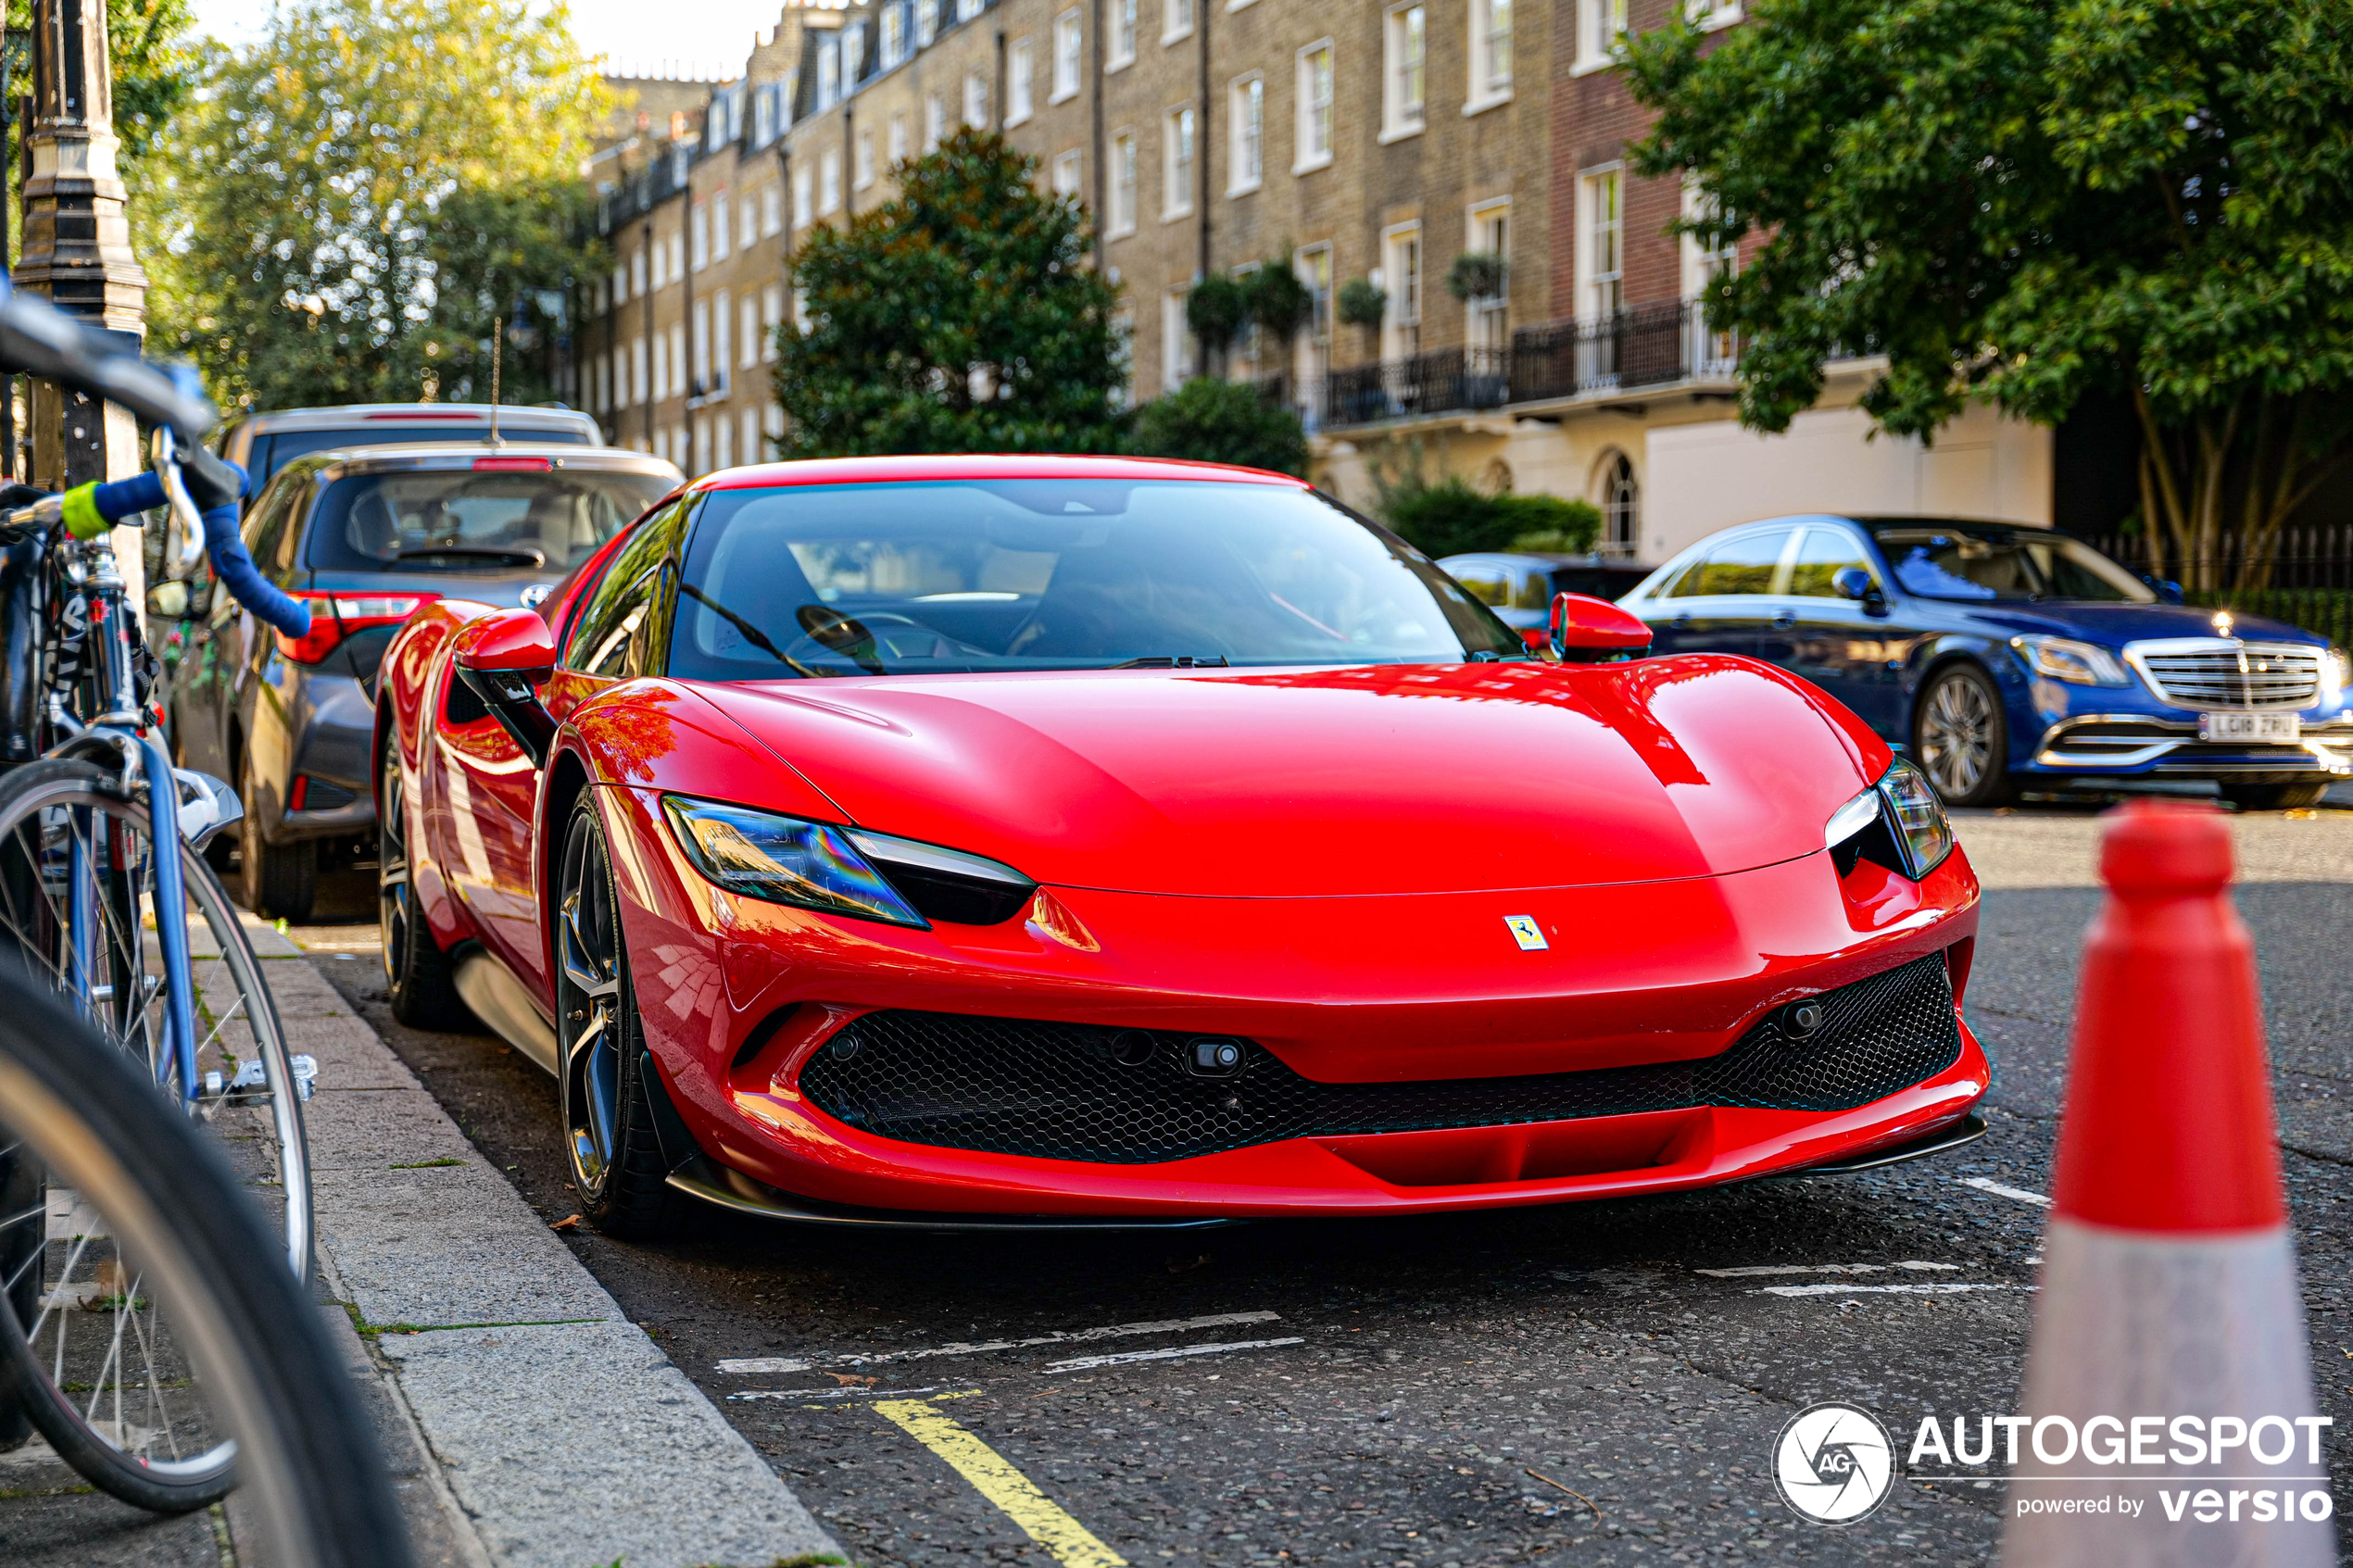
point(1744, 565)
point(1488, 584)
point(1821, 556)
point(1535, 591)
point(604, 640)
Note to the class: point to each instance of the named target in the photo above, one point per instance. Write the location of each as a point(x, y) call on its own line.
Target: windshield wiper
point(1175, 662)
point(751, 633)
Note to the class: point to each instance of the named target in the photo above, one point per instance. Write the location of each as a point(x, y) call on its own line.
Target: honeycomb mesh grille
point(1061, 1091)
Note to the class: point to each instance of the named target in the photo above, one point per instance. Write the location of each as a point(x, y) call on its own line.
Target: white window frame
point(1070, 60)
point(828, 73)
point(1600, 35)
point(1179, 353)
point(772, 316)
point(1491, 82)
point(752, 453)
point(894, 36)
point(1127, 21)
point(935, 122)
point(1246, 133)
point(1310, 156)
point(1021, 82)
point(967, 9)
point(899, 141)
point(640, 376)
point(1718, 351)
point(1597, 285)
point(662, 262)
point(1179, 148)
point(678, 357)
point(722, 215)
point(1711, 15)
point(829, 182)
point(976, 99)
point(1176, 21)
point(722, 443)
point(853, 56)
point(926, 22)
point(678, 254)
point(748, 321)
point(1124, 176)
point(1069, 173)
point(1405, 258)
point(1402, 118)
point(701, 356)
point(861, 163)
point(1487, 322)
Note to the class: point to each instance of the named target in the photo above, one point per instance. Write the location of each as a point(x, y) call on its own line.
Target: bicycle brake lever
point(164, 451)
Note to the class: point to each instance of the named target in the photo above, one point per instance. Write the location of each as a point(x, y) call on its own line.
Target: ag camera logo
point(1833, 1463)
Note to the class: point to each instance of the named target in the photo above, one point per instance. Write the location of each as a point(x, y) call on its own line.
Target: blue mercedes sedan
point(2000, 656)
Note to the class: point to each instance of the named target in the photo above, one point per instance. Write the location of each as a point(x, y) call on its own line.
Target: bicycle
point(99, 907)
point(250, 1361)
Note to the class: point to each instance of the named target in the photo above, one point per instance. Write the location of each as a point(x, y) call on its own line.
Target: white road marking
point(1084, 1363)
point(1817, 1269)
point(768, 1364)
point(1998, 1190)
point(833, 1393)
point(1943, 1288)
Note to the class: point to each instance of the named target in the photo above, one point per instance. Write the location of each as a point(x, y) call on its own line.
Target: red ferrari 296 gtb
point(1003, 841)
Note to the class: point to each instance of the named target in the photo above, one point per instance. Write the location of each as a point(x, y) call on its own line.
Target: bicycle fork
point(171, 904)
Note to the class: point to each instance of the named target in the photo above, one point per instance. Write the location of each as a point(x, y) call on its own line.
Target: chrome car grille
point(1067, 1091)
point(2225, 673)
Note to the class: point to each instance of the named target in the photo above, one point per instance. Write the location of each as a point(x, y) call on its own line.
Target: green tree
point(1451, 516)
point(958, 316)
point(2024, 203)
point(363, 199)
point(1220, 422)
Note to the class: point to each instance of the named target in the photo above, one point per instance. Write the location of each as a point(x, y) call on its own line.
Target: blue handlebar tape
point(231, 562)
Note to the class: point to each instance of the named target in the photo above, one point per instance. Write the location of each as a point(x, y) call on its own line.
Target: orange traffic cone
point(2168, 1387)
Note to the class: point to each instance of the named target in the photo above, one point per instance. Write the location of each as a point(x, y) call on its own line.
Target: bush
point(1216, 311)
point(1454, 517)
point(1219, 421)
point(1362, 304)
point(1279, 303)
point(1478, 274)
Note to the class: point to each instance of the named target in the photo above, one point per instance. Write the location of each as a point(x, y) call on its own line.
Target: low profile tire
point(2276, 796)
point(420, 981)
point(1960, 738)
point(277, 882)
point(617, 1164)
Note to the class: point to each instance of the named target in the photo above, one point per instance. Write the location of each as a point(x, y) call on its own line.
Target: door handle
point(1681, 622)
point(1783, 620)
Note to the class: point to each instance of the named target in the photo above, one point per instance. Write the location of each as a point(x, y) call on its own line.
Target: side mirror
point(1854, 583)
point(501, 657)
point(1590, 631)
point(2167, 589)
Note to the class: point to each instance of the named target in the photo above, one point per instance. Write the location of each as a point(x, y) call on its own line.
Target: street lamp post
point(77, 247)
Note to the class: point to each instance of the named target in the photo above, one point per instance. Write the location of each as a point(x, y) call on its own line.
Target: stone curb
point(565, 1436)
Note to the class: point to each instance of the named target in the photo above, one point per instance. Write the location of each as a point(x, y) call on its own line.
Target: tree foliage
point(2025, 202)
point(1220, 422)
point(361, 200)
point(958, 316)
point(1452, 516)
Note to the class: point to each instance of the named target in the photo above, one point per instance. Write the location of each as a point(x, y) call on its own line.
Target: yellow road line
point(1072, 1543)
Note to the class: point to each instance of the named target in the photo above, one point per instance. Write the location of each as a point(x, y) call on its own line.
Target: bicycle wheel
point(233, 1357)
point(77, 911)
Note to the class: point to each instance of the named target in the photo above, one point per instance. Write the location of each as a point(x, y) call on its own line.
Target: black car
point(1518, 587)
point(367, 536)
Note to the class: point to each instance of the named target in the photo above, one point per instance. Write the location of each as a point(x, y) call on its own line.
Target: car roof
point(340, 462)
point(521, 417)
point(873, 470)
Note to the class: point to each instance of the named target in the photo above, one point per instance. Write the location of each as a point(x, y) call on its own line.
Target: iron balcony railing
point(1645, 346)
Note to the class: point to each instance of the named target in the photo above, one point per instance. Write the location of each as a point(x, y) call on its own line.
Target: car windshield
point(1056, 573)
point(275, 450)
point(466, 519)
point(1937, 564)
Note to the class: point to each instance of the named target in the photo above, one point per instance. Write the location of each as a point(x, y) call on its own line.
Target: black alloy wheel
point(2293, 795)
point(418, 979)
point(1960, 739)
point(617, 1164)
point(278, 881)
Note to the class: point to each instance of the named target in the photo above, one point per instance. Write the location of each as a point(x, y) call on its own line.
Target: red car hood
point(1369, 780)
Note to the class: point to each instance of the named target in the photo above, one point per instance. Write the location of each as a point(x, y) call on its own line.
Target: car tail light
point(299, 793)
point(514, 465)
point(334, 617)
point(408, 417)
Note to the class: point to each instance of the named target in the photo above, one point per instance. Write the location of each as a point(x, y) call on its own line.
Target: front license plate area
point(2268, 729)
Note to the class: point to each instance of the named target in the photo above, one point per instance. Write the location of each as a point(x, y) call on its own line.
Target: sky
point(695, 38)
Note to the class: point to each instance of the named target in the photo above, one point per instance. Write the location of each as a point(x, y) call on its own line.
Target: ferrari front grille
point(1133, 1097)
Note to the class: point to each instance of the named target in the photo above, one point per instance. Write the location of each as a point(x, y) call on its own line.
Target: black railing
point(2310, 583)
point(1646, 345)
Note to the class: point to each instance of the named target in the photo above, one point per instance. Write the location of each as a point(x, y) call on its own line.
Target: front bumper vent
point(1067, 1091)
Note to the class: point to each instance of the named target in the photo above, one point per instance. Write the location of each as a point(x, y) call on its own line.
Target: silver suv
point(262, 443)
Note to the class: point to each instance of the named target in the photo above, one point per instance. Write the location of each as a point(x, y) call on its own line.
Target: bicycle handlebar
point(233, 565)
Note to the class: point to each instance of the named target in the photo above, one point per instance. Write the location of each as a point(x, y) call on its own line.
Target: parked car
point(367, 537)
point(1519, 586)
point(2001, 656)
point(262, 443)
point(962, 840)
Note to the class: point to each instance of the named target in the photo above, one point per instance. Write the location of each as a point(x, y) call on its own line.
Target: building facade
point(1462, 162)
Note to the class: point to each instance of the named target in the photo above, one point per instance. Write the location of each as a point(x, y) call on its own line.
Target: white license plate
point(2261, 727)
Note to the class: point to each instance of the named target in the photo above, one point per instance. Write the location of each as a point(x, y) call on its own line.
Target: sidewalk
point(526, 1422)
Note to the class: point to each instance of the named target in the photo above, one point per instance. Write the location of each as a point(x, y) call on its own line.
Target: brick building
point(1386, 142)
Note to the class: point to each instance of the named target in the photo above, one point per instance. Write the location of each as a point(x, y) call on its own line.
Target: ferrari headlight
point(1898, 824)
point(784, 860)
point(2063, 659)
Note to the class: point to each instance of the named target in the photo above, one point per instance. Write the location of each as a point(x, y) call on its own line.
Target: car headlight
point(2063, 659)
point(842, 870)
point(2336, 673)
point(1898, 824)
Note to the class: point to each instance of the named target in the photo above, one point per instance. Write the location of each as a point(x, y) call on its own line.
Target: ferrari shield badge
point(1526, 933)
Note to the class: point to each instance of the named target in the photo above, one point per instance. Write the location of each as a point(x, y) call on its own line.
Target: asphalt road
point(1579, 1385)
